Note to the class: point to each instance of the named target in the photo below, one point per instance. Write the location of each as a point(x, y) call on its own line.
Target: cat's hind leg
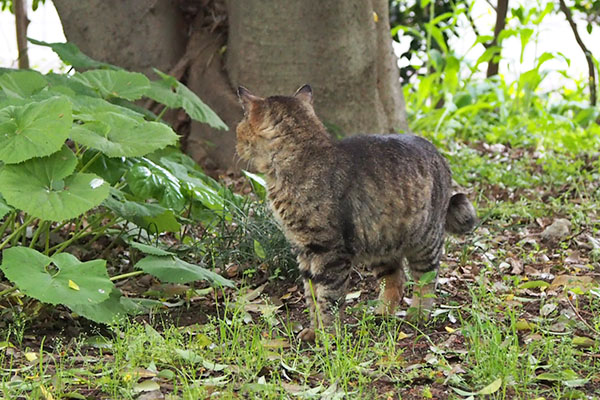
point(391, 287)
point(325, 287)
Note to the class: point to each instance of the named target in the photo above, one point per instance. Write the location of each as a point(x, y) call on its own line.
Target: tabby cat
point(373, 199)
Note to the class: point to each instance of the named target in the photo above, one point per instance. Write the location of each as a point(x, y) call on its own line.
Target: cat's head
point(266, 119)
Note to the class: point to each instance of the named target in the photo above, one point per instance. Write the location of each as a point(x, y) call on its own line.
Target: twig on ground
point(580, 317)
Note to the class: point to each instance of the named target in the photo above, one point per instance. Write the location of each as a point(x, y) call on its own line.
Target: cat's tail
point(461, 217)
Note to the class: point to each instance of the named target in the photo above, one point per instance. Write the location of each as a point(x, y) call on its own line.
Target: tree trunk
point(136, 35)
point(501, 11)
point(342, 48)
point(336, 46)
point(21, 23)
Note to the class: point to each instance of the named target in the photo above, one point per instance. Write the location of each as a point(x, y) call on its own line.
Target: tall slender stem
point(7, 291)
point(36, 235)
point(10, 219)
point(17, 231)
point(127, 275)
point(91, 161)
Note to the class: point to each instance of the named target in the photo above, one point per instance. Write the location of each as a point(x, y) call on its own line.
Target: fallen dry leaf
point(585, 283)
point(517, 266)
point(253, 294)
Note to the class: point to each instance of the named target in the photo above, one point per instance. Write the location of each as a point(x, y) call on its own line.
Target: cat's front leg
point(325, 291)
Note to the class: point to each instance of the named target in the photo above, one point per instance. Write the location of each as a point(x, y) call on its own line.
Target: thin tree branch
point(586, 52)
point(501, 11)
point(491, 5)
point(21, 24)
point(471, 21)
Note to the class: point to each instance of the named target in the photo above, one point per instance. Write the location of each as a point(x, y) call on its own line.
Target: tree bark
point(136, 34)
point(336, 46)
point(342, 48)
point(21, 23)
point(212, 148)
point(501, 11)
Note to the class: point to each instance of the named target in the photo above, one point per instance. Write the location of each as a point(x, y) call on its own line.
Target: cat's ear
point(304, 94)
point(246, 98)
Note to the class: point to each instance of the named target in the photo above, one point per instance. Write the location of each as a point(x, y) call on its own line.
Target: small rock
point(557, 231)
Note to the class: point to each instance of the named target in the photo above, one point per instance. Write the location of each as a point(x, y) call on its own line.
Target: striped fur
point(372, 199)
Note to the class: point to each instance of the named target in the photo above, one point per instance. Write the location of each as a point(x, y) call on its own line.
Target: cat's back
point(395, 145)
point(396, 190)
point(392, 154)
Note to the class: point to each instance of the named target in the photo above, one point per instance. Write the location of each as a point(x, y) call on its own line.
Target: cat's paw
point(307, 335)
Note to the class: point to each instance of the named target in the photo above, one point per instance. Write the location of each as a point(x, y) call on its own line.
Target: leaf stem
point(36, 235)
point(17, 231)
point(7, 222)
point(113, 242)
point(92, 160)
point(127, 275)
point(7, 291)
point(79, 234)
point(159, 116)
point(60, 226)
point(106, 225)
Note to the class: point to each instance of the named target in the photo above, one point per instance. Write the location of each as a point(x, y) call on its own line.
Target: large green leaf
point(44, 187)
point(150, 250)
point(34, 130)
point(111, 169)
point(67, 281)
point(201, 188)
point(110, 310)
point(174, 270)
point(71, 55)
point(87, 109)
point(148, 180)
point(22, 83)
point(152, 217)
point(162, 91)
point(165, 222)
point(119, 135)
point(115, 83)
point(133, 209)
point(66, 81)
point(174, 94)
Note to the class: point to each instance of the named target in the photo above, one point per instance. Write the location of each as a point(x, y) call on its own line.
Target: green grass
point(258, 360)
